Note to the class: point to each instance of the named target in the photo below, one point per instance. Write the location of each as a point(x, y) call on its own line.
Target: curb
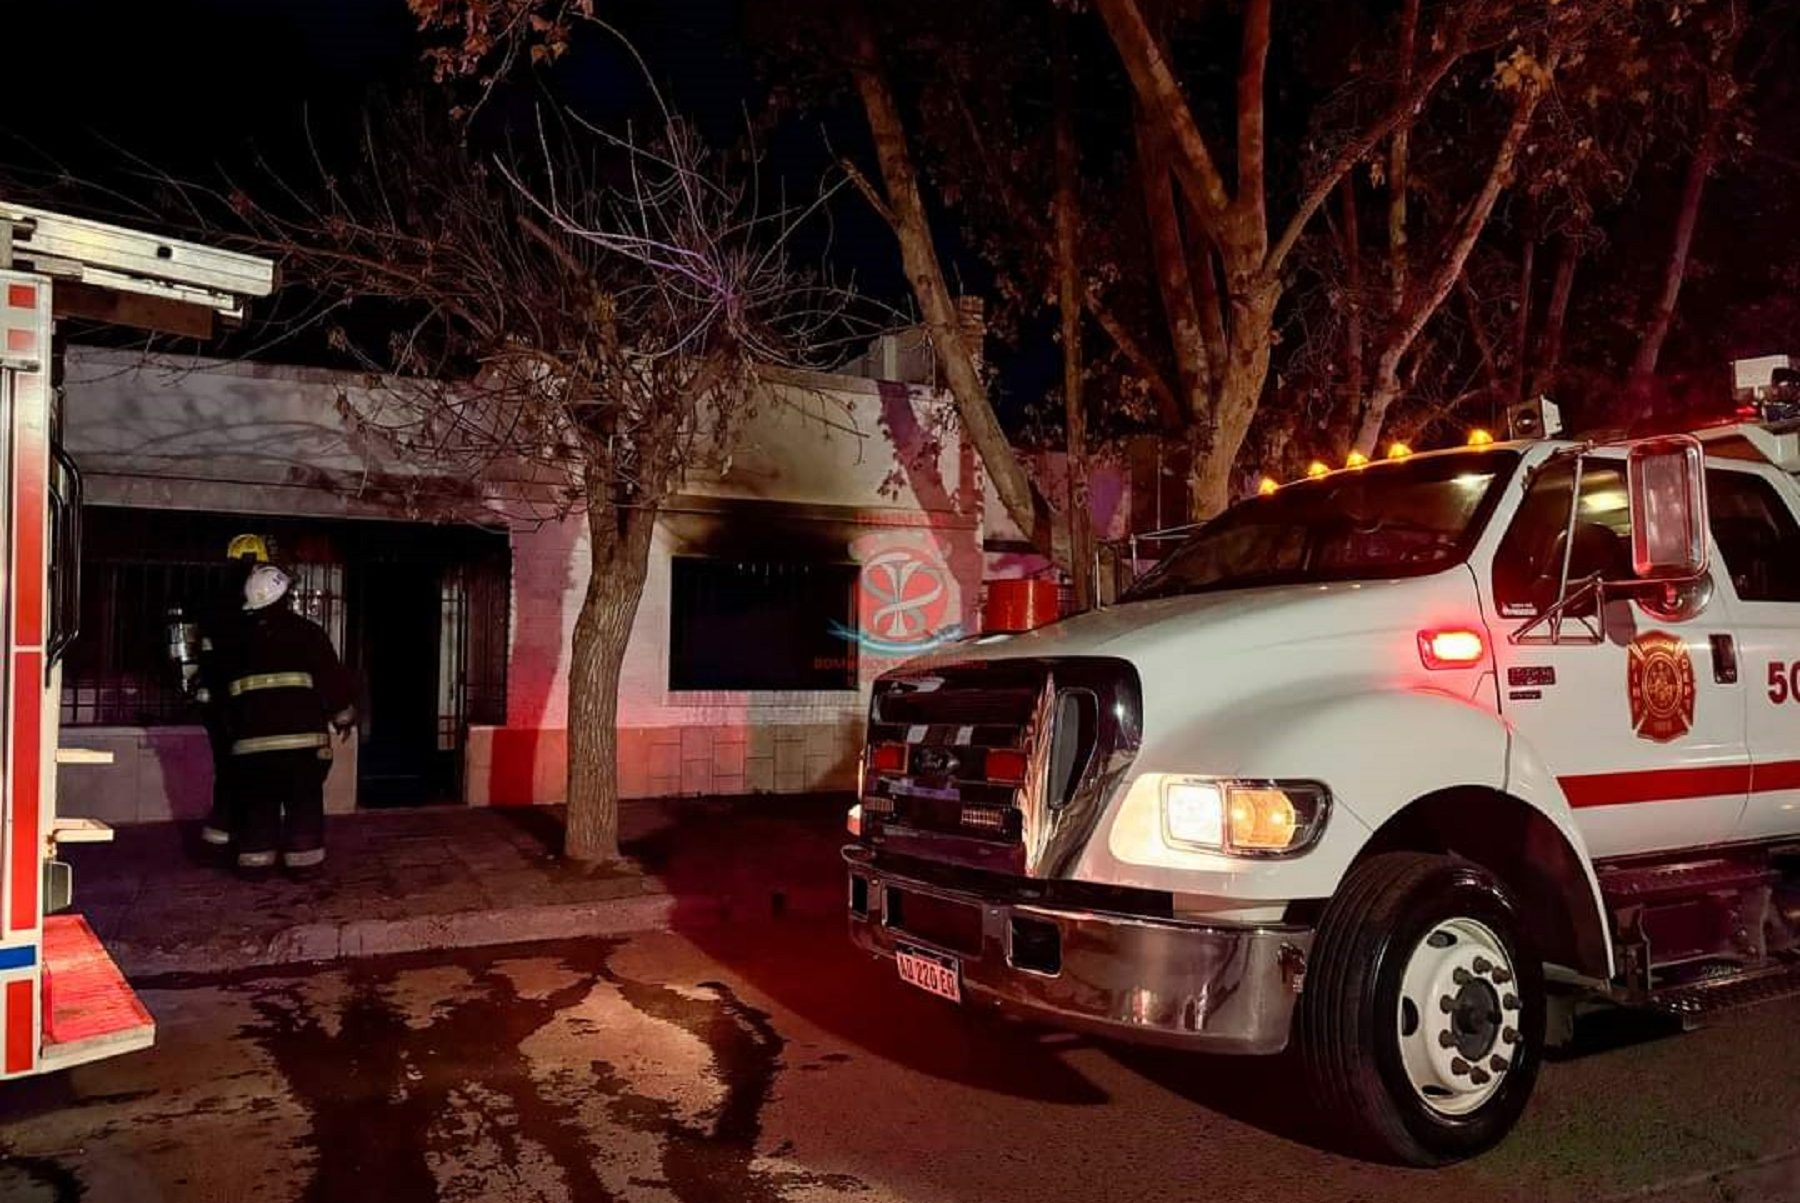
point(360, 938)
point(1771, 1179)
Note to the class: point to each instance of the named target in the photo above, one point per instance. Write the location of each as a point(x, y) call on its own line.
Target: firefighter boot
point(255, 866)
point(304, 864)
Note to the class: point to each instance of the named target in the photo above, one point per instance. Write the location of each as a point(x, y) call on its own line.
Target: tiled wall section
point(508, 766)
point(162, 773)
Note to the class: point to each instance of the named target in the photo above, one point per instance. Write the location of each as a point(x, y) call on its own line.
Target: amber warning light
point(1452, 647)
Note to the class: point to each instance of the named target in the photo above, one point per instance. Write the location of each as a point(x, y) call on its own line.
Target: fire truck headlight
point(1243, 818)
point(1193, 812)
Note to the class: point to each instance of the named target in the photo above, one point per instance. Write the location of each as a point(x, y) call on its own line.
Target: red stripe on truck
point(1675, 785)
point(1655, 785)
point(21, 1026)
point(1778, 774)
point(27, 785)
point(31, 465)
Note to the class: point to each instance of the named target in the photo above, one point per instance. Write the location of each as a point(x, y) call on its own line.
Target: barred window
point(139, 564)
point(118, 671)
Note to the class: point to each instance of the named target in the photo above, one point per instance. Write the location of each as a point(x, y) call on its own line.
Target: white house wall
point(883, 467)
point(184, 432)
point(877, 469)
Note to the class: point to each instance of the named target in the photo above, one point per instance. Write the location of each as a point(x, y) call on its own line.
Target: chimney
point(971, 317)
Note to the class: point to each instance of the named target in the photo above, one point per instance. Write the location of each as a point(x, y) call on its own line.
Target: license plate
point(911, 789)
point(935, 974)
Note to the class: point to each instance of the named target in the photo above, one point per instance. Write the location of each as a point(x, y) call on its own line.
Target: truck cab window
point(1528, 565)
point(1756, 534)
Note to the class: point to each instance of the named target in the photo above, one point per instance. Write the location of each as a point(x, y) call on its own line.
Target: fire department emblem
point(1660, 680)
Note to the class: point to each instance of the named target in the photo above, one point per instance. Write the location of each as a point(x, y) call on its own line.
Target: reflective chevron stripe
point(257, 681)
point(280, 743)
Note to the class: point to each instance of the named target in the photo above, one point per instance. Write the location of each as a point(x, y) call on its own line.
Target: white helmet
point(266, 586)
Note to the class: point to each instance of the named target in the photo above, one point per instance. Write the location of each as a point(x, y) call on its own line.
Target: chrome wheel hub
point(1458, 1016)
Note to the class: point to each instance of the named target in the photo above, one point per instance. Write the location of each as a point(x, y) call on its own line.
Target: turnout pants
point(222, 818)
point(280, 807)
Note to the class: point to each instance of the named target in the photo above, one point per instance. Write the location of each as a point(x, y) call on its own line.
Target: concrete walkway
point(454, 877)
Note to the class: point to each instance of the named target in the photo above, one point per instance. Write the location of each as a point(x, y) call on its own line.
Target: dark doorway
point(398, 759)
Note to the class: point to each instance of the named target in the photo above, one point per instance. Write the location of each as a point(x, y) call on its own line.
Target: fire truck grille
point(998, 764)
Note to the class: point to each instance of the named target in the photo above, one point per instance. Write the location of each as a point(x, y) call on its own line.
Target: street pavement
point(767, 1062)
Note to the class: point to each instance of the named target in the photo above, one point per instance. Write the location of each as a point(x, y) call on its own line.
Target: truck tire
point(1422, 1015)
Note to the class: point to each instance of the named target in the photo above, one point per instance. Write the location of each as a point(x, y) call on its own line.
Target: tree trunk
point(1656, 329)
point(1522, 322)
point(1181, 313)
point(1068, 273)
point(1240, 392)
point(619, 549)
point(1250, 213)
point(1556, 315)
point(905, 212)
point(1397, 163)
point(1352, 401)
point(1156, 83)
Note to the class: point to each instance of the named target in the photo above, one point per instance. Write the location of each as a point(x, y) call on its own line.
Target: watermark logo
point(906, 603)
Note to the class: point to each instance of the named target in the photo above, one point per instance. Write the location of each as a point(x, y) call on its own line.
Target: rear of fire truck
point(62, 1000)
point(1357, 768)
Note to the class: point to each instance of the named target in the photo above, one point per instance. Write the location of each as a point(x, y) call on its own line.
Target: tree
point(1188, 264)
point(484, 40)
point(1069, 307)
point(574, 327)
point(480, 41)
point(1447, 321)
point(1247, 241)
point(901, 203)
point(1711, 72)
point(1460, 155)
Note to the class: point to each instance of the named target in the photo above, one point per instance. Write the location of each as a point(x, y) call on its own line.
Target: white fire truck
point(62, 1000)
point(1403, 764)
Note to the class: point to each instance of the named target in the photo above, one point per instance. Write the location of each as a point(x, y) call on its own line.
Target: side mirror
point(1666, 480)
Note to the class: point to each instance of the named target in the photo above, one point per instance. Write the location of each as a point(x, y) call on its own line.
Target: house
point(847, 530)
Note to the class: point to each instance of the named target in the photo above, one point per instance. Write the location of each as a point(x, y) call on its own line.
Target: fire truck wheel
point(1421, 1022)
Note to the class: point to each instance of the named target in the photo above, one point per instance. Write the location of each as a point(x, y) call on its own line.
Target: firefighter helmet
point(248, 547)
point(266, 586)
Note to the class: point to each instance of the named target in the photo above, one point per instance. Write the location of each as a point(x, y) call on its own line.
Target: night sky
point(204, 87)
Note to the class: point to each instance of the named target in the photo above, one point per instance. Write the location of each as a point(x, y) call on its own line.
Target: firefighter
point(286, 691)
point(199, 641)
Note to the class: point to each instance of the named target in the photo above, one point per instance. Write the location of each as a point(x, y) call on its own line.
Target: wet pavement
point(768, 1062)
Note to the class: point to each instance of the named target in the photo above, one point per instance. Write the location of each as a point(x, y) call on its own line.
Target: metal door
point(1639, 719)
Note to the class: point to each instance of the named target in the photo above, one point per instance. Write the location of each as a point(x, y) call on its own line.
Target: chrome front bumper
point(1207, 987)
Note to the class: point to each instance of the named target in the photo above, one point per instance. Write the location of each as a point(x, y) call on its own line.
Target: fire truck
point(1407, 764)
point(62, 1000)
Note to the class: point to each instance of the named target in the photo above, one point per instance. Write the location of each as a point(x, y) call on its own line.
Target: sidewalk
point(457, 877)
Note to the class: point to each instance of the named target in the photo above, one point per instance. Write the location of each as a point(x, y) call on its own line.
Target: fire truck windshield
point(1391, 519)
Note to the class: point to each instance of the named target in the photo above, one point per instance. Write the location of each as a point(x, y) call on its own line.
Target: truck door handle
point(1724, 658)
